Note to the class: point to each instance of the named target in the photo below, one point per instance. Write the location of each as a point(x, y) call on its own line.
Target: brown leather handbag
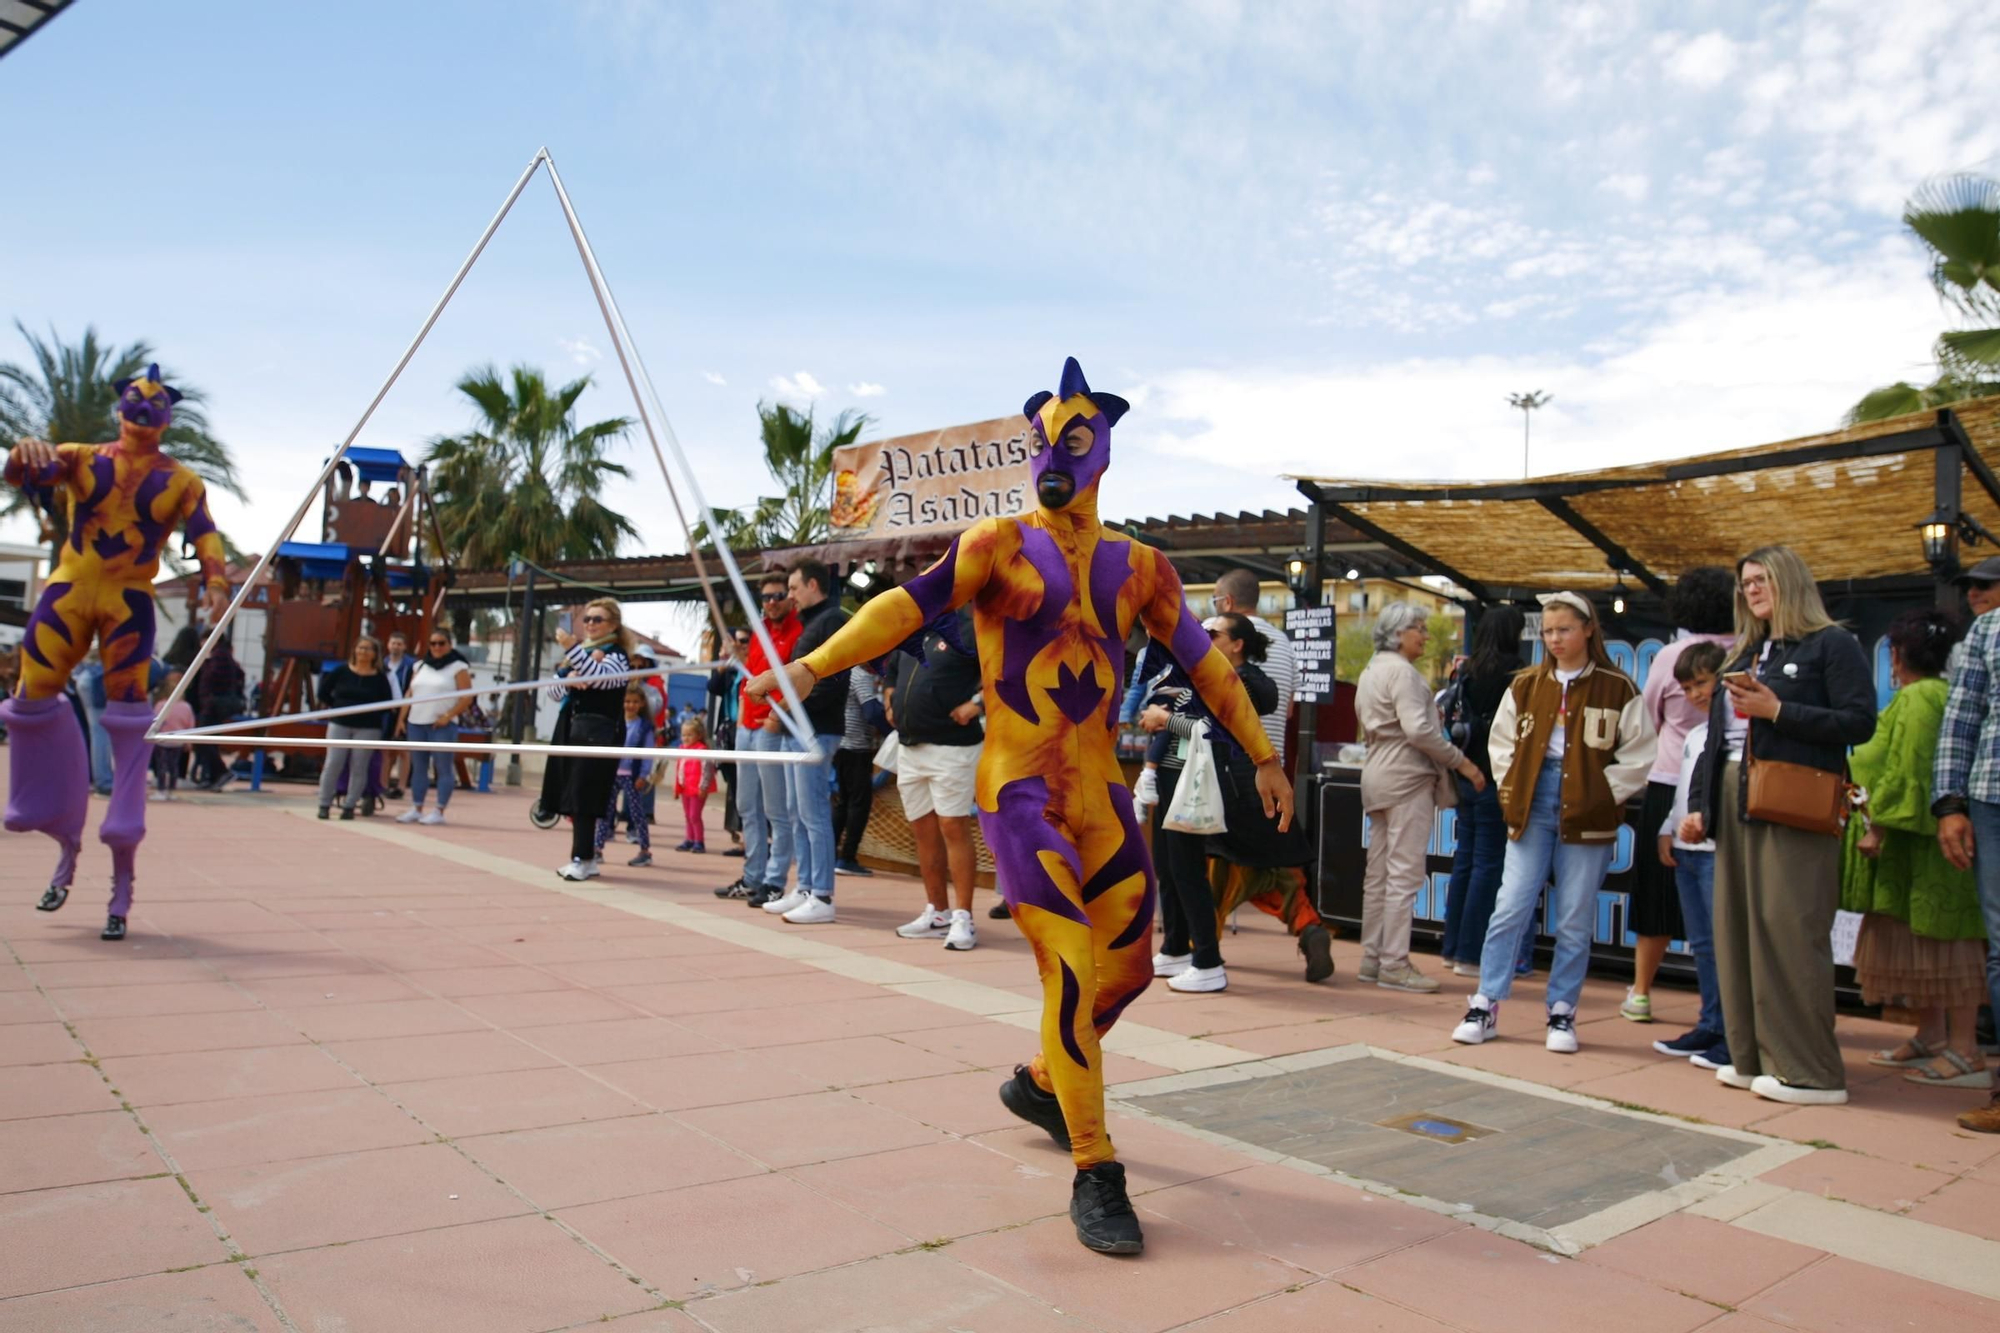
point(1796, 795)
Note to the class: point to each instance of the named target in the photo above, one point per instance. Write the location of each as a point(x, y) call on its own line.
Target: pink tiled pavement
point(329, 1035)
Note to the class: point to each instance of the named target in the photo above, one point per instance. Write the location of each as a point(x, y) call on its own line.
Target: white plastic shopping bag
point(1197, 804)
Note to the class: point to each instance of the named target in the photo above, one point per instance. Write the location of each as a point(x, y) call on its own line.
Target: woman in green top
point(1923, 943)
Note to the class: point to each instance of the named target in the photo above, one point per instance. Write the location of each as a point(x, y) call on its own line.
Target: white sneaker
point(1562, 1029)
point(1771, 1089)
point(1480, 1024)
point(814, 911)
point(411, 815)
point(1171, 964)
point(1729, 1078)
point(1465, 969)
point(930, 924)
point(1199, 980)
point(780, 906)
point(433, 817)
point(961, 936)
point(1146, 791)
point(578, 870)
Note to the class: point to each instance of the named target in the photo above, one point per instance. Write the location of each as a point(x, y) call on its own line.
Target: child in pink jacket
point(694, 779)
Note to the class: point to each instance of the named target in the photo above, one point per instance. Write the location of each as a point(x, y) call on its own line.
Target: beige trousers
point(1397, 837)
point(1776, 890)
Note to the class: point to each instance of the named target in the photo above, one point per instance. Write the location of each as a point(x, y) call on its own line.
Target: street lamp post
point(1527, 402)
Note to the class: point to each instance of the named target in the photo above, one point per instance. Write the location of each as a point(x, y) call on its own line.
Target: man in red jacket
point(762, 800)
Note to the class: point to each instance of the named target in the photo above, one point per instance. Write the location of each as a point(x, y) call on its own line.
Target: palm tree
point(1958, 220)
point(525, 480)
point(67, 398)
point(798, 453)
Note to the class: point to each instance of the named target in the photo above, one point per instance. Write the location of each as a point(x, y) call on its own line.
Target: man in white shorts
point(936, 711)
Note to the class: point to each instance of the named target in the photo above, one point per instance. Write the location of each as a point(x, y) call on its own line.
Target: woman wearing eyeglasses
point(593, 664)
point(425, 717)
point(1798, 690)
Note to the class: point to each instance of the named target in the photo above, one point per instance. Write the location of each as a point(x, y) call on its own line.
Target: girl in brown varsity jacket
point(1571, 743)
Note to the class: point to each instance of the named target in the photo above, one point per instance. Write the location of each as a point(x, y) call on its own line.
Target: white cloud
point(714, 377)
point(1701, 62)
point(866, 390)
point(580, 351)
point(801, 385)
point(1629, 186)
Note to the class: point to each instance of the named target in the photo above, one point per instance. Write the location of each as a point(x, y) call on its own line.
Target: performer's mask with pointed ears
point(1070, 437)
point(145, 402)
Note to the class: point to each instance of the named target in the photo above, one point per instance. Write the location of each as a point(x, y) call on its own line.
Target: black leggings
point(1187, 906)
point(855, 772)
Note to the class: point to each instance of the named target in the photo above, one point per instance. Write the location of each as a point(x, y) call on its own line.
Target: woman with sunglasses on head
point(1797, 691)
point(593, 664)
point(424, 717)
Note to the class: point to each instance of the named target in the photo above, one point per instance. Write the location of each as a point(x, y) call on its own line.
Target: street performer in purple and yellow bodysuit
point(1054, 595)
point(124, 499)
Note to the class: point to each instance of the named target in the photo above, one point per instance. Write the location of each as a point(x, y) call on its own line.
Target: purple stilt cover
point(49, 776)
point(124, 826)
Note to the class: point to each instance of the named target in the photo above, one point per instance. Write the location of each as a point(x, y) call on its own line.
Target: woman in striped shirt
point(593, 662)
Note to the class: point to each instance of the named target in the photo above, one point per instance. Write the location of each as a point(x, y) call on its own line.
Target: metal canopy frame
point(653, 419)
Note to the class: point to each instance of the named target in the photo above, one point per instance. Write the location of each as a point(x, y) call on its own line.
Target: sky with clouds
point(1300, 237)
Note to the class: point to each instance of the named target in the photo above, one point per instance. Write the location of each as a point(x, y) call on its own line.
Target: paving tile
point(1323, 1305)
point(369, 986)
point(818, 1127)
point(502, 978)
point(534, 1009)
point(853, 1061)
point(36, 1044)
point(1932, 1139)
point(246, 1130)
point(214, 1299)
point(911, 1293)
point(617, 1039)
point(438, 1055)
point(387, 1018)
point(1185, 1274)
point(73, 1150)
point(205, 1076)
point(1842, 1296)
point(94, 1233)
point(1834, 1173)
point(708, 1238)
point(187, 997)
point(1503, 1286)
point(1388, 1033)
point(1314, 1224)
point(1524, 1057)
point(523, 1099)
point(1970, 1206)
point(169, 1034)
point(1712, 1260)
point(565, 1165)
point(509, 1276)
point(64, 1089)
point(350, 1196)
point(967, 1103)
point(982, 1045)
point(1676, 1087)
point(681, 1082)
point(80, 972)
point(945, 1189)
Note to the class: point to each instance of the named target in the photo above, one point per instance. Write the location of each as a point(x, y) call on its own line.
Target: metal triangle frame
point(653, 419)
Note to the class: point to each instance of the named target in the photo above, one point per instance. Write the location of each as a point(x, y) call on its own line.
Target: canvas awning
point(20, 18)
point(1851, 502)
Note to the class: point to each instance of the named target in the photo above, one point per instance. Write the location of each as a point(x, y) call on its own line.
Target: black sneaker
point(54, 897)
point(114, 928)
point(1692, 1042)
point(734, 851)
point(1020, 1095)
point(642, 859)
point(1715, 1057)
point(1102, 1211)
point(1316, 943)
point(998, 912)
point(845, 867)
point(765, 894)
point(738, 889)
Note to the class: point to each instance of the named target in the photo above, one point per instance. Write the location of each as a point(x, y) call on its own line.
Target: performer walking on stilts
point(125, 499)
point(1054, 594)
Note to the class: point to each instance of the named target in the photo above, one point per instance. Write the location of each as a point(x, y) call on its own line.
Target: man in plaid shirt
point(1966, 797)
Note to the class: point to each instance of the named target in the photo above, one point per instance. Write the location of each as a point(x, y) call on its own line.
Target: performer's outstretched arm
point(200, 529)
point(895, 615)
point(39, 464)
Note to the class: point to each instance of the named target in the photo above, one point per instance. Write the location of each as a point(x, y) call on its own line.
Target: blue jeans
point(811, 793)
point(421, 762)
point(100, 741)
point(1475, 871)
point(1694, 879)
point(1986, 865)
point(1578, 869)
point(763, 802)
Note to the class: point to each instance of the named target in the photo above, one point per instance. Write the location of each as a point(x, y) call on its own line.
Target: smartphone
point(1739, 678)
point(566, 625)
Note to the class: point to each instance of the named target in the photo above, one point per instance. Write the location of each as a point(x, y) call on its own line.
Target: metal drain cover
point(1436, 1128)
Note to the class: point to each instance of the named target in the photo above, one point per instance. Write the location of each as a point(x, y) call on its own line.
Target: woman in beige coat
point(1407, 753)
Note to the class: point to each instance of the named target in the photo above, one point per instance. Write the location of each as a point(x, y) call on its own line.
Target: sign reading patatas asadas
point(938, 481)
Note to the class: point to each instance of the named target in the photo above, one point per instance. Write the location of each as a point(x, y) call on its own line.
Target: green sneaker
point(1638, 1008)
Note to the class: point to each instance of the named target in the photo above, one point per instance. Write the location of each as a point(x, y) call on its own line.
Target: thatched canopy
point(1850, 501)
